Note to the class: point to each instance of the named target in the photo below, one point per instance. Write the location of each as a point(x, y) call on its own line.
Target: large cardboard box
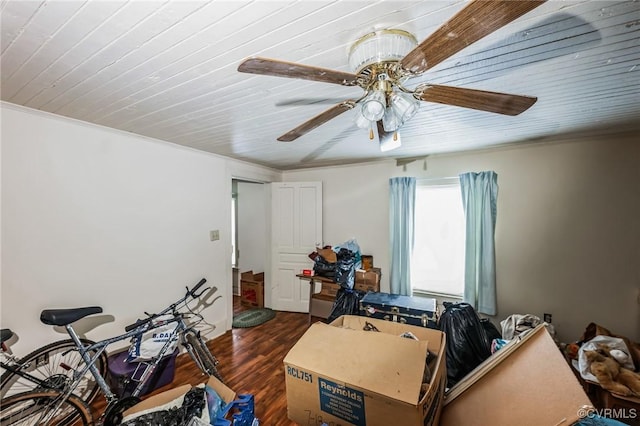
point(162, 399)
point(527, 382)
point(252, 289)
point(341, 375)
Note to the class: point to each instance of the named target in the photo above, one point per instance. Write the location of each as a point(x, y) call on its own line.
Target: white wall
point(97, 216)
point(94, 216)
point(568, 225)
point(252, 226)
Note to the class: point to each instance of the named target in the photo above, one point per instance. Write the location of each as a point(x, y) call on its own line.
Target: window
point(437, 263)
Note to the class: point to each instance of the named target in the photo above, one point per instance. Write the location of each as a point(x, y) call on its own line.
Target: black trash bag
point(192, 406)
point(467, 341)
point(491, 330)
point(323, 268)
point(345, 268)
point(347, 303)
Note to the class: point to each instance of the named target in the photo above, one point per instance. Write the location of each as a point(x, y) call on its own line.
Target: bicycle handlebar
point(193, 290)
point(190, 293)
point(137, 324)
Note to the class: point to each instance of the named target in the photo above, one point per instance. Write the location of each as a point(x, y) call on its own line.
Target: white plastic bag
point(591, 345)
point(147, 346)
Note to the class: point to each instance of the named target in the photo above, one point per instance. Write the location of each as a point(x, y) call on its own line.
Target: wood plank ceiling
point(168, 70)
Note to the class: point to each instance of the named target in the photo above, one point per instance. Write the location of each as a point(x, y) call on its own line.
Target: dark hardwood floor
point(250, 362)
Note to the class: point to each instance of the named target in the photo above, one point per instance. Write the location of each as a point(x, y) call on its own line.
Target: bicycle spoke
point(50, 408)
point(53, 366)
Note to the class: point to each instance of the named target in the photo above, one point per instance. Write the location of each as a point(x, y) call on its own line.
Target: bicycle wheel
point(44, 408)
point(54, 364)
point(205, 360)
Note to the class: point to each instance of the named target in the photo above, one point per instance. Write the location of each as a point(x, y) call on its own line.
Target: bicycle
point(64, 377)
point(46, 368)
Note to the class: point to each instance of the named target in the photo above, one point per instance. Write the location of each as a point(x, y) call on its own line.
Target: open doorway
point(249, 207)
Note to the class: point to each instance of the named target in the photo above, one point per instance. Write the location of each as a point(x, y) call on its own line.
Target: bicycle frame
point(100, 347)
point(139, 328)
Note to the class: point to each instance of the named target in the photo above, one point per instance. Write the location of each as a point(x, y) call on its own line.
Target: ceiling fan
point(384, 60)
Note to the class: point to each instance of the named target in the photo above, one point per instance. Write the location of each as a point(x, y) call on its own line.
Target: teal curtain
point(479, 199)
point(402, 198)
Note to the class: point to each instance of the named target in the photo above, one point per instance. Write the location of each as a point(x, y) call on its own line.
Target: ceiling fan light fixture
point(374, 105)
point(389, 45)
point(390, 121)
point(404, 105)
point(362, 122)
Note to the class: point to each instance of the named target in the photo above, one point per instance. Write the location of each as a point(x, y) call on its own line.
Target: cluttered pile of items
point(210, 403)
point(383, 358)
point(608, 366)
point(351, 275)
point(363, 370)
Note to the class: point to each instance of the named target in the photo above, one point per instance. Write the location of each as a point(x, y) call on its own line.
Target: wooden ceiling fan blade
point(308, 101)
point(274, 67)
point(475, 21)
point(318, 120)
point(500, 103)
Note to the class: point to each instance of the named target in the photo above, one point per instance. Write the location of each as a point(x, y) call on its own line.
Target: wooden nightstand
point(622, 408)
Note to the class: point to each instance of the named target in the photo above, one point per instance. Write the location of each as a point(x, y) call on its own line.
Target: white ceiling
point(168, 70)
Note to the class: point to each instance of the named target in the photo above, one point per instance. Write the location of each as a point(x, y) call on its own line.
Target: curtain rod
point(443, 181)
point(439, 178)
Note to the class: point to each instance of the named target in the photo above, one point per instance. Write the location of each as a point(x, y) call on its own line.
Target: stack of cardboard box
point(365, 281)
point(252, 289)
point(368, 280)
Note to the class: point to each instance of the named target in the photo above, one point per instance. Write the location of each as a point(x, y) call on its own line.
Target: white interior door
point(296, 232)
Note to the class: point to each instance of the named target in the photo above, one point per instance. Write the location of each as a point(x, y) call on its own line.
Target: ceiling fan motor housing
point(374, 58)
point(389, 45)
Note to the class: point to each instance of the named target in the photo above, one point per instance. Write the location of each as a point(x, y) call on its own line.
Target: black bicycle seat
point(67, 316)
point(5, 334)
